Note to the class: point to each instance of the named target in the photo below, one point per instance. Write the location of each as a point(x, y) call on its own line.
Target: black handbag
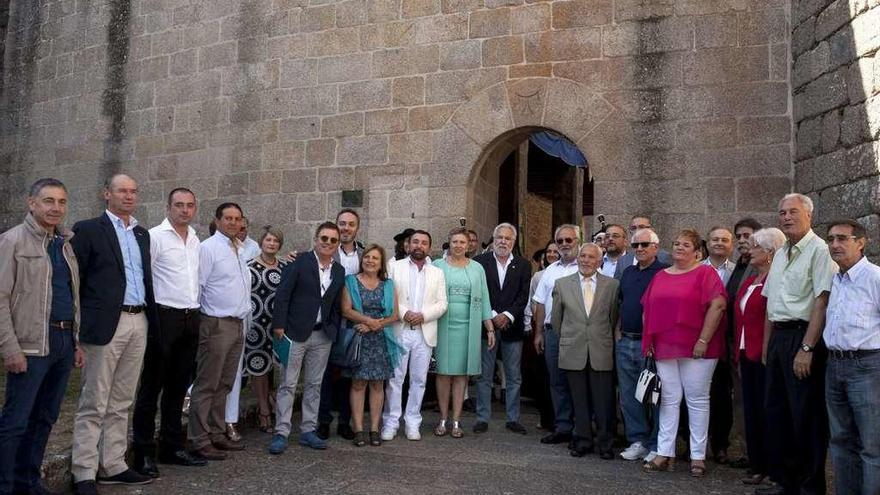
point(353, 352)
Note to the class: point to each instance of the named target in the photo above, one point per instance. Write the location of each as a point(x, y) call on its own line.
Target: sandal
point(266, 423)
point(698, 470)
point(456, 430)
point(359, 439)
point(440, 429)
point(375, 439)
point(667, 464)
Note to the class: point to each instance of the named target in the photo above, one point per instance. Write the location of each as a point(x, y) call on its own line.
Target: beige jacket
point(585, 339)
point(433, 302)
point(26, 288)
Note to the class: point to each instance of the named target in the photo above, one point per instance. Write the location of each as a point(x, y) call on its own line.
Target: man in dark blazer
point(307, 313)
point(118, 315)
point(585, 312)
point(508, 277)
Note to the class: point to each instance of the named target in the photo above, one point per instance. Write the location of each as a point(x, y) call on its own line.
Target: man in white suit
point(421, 300)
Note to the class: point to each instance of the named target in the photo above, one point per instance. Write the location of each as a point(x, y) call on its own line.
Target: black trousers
point(592, 395)
point(753, 391)
point(335, 390)
point(796, 414)
point(721, 407)
point(169, 364)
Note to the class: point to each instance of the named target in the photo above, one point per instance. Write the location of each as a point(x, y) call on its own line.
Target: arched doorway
point(516, 181)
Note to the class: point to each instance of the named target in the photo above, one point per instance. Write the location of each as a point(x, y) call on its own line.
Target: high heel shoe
point(456, 430)
point(266, 423)
point(375, 440)
point(656, 466)
point(359, 439)
point(440, 429)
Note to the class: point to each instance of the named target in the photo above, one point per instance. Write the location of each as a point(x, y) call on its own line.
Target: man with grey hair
point(507, 277)
point(797, 289)
point(641, 433)
point(39, 322)
point(547, 338)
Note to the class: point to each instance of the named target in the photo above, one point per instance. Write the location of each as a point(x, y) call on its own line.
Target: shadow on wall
point(835, 84)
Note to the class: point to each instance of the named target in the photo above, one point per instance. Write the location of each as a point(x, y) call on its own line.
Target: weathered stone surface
point(764, 130)
point(827, 92)
point(344, 68)
point(320, 152)
point(811, 64)
point(356, 150)
point(413, 147)
point(527, 100)
point(568, 44)
point(453, 86)
point(489, 23)
point(530, 18)
point(505, 50)
point(430, 117)
point(721, 65)
point(486, 116)
point(408, 91)
point(385, 121)
point(716, 30)
point(419, 8)
point(364, 95)
point(761, 193)
point(406, 61)
point(461, 55)
point(762, 27)
point(830, 131)
point(573, 110)
point(346, 124)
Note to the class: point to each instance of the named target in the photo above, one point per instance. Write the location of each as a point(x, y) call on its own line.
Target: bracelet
point(490, 331)
point(702, 341)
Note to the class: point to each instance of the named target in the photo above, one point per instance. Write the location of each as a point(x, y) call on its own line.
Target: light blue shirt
point(224, 278)
point(135, 294)
point(724, 270)
point(853, 314)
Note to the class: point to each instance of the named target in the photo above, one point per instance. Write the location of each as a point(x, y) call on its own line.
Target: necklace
point(267, 263)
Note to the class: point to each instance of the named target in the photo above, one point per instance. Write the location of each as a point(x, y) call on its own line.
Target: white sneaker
point(651, 455)
point(413, 434)
point(634, 452)
point(388, 435)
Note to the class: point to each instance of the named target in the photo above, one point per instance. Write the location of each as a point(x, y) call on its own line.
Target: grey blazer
point(582, 337)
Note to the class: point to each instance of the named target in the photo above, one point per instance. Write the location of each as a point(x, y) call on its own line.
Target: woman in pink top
point(683, 307)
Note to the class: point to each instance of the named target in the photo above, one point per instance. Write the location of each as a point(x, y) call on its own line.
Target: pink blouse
point(674, 309)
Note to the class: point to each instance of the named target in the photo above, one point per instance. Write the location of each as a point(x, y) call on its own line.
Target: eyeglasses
point(328, 240)
point(643, 245)
point(633, 228)
point(839, 238)
point(565, 240)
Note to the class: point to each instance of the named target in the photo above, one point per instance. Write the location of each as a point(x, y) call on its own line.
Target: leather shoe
point(345, 432)
point(606, 455)
point(181, 458)
point(515, 427)
point(580, 451)
point(481, 427)
point(774, 489)
point(86, 487)
point(323, 431)
point(555, 438)
point(208, 452)
point(224, 444)
point(146, 466)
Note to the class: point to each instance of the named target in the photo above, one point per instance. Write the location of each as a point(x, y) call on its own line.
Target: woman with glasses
point(750, 311)
point(459, 330)
point(370, 306)
point(683, 307)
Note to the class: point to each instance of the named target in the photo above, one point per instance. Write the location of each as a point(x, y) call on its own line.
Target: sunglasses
point(328, 240)
point(643, 245)
point(565, 240)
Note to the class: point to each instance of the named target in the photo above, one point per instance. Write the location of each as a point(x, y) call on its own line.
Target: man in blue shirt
point(641, 434)
point(39, 318)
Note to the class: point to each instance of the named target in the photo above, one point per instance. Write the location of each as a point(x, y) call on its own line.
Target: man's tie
point(588, 296)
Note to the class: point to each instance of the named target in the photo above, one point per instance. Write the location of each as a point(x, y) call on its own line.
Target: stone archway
point(489, 126)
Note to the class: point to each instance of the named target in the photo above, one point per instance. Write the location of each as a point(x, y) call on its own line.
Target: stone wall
point(681, 106)
point(836, 81)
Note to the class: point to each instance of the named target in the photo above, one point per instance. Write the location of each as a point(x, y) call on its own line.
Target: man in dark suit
point(118, 316)
point(585, 312)
point(508, 277)
point(307, 313)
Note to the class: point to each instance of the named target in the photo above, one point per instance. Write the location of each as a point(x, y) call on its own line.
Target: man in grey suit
point(585, 312)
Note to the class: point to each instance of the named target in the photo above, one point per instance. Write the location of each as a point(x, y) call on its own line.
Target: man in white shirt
point(225, 287)
point(421, 301)
point(547, 338)
point(169, 360)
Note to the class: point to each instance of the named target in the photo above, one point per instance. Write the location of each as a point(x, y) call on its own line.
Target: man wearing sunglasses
point(634, 281)
point(307, 312)
point(547, 338)
point(628, 259)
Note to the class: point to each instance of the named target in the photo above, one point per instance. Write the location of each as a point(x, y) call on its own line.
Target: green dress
point(460, 329)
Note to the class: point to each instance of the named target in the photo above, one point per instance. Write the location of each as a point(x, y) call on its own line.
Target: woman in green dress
point(459, 331)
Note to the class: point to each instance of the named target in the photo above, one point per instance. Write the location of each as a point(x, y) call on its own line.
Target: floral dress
point(375, 364)
point(258, 340)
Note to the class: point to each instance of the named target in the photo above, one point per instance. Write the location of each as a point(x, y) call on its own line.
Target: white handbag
point(648, 385)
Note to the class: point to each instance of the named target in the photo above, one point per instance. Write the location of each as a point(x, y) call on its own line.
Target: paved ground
point(495, 462)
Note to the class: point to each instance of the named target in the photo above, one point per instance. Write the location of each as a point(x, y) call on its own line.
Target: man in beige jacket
point(39, 321)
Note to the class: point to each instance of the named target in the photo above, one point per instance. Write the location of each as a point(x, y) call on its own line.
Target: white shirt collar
point(166, 225)
point(506, 264)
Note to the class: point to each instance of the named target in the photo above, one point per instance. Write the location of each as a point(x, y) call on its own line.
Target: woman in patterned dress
point(370, 306)
point(265, 277)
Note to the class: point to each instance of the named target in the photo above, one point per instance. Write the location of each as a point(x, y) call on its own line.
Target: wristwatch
point(806, 347)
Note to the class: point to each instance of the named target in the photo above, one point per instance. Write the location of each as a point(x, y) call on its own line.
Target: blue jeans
point(511, 355)
point(854, 416)
point(33, 400)
point(562, 405)
point(630, 363)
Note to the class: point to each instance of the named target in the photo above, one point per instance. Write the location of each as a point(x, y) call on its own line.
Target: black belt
point(837, 354)
point(632, 335)
point(63, 324)
point(791, 325)
point(185, 311)
point(132, 310)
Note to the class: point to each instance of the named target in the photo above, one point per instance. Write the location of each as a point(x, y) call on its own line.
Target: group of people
point(159, 313)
